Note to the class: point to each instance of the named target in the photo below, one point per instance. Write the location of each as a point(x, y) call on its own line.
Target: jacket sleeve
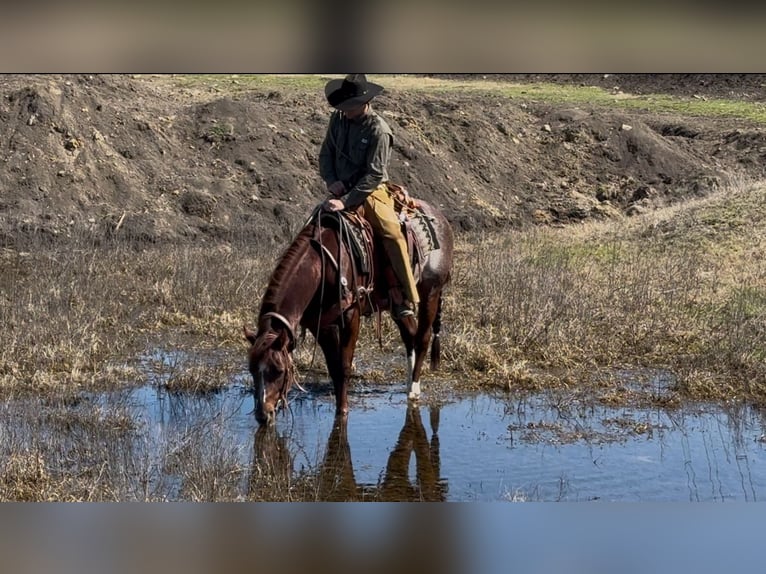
point(328, 152)
point(376, 169)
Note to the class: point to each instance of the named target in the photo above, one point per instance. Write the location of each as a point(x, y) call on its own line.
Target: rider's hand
point(333, 205)
point(337, 188)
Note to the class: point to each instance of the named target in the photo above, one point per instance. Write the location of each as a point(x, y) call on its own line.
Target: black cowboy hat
point(352, 91)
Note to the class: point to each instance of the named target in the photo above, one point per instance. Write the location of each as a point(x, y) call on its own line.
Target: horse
point(322, 284)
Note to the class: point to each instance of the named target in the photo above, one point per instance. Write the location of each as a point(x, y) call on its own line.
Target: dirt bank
point(142, 158)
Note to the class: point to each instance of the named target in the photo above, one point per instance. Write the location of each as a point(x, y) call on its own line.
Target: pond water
point(481, 447)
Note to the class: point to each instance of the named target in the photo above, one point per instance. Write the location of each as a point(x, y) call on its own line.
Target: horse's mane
point(285, 270)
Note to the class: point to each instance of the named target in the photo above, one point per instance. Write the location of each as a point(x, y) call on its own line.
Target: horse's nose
point(264, 412)
point(265, 415)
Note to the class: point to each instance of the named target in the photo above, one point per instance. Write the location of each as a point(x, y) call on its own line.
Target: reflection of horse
point(413, 438)
point(325, 285)
point(272, 476)
point(272, 468)
point(335, 475)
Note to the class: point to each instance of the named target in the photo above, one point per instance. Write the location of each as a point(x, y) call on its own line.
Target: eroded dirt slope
point(141, 158)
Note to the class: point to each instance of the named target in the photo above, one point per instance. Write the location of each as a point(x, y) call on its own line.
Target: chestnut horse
point(318, 284)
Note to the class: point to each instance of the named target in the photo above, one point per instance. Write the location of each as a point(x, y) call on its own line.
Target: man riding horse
point(353, 162)
point(321, 263)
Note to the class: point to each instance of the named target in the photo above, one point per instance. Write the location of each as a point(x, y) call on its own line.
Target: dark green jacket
point(357, 153)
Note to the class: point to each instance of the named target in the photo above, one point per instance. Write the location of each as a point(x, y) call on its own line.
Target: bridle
point(285, 323)
point(289, 375)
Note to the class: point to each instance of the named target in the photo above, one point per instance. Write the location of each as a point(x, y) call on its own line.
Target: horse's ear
point(249, 335)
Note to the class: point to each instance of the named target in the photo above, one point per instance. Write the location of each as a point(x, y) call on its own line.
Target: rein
point(344, 238)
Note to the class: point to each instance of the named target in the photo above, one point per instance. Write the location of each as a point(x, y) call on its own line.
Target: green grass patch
point(541, 92)
point(591, 95)
point(242, 82)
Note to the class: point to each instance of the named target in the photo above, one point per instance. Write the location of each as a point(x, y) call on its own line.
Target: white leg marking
point(413, 387)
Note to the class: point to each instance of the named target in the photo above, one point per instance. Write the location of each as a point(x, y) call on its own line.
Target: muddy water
point(480, 447)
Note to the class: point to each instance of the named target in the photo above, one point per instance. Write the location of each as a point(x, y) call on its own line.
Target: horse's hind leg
point(426, 315)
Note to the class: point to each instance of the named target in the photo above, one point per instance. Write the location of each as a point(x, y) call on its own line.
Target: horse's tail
point(436, 346)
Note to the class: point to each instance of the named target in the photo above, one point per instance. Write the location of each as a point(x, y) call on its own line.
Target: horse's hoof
point(414, 392)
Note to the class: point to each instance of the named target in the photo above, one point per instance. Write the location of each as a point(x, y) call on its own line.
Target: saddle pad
point(423, 227)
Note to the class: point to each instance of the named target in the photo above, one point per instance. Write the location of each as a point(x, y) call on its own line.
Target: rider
point(353, 162)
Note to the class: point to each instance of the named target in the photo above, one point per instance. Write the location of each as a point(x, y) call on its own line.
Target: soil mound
point(143, 159)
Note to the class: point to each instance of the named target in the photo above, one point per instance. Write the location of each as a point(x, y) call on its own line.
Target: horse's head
point(272, 369)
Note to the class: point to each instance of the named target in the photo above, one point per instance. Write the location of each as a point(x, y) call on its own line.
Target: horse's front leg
point(338, 344)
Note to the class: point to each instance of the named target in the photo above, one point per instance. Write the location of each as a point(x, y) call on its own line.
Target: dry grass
point(76, 317)
point(60, 449)
point(680, 290)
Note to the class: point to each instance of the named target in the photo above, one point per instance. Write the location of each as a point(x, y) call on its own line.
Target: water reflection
point(468, 448)
point(428, 486)
point(335, 475)
point(272, 468)
point(333, 478)
point(699, 453)
point(723, 448)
